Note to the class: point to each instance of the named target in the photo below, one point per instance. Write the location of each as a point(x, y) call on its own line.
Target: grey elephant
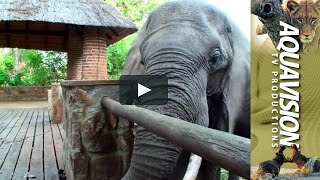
point(207, 62)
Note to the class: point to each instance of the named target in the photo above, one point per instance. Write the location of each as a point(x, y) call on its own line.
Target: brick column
point(75, 55)
point(94, 63)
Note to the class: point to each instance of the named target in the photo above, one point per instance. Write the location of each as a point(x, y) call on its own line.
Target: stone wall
point(24, 93)
point(97, 145)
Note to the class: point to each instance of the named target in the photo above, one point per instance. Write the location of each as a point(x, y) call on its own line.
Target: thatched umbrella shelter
point(83, 28)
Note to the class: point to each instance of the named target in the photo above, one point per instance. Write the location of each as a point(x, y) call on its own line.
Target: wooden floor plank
point(11, 122)
point(32, 144)
point(61, 130)
point(7, 119)
point(58, 143)
point(36, 162)
point(3, 120)
point(22, 166)
point(3, 111)
point(2, 114)
point(9, 165)
point(10, 129)
point(50, 165)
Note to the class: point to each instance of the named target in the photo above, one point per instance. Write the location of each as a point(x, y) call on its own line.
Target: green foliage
point(39, 69)
point(43, 68)
point(117, 55)
point(6, 67)
point(136, 11)
point(3, 73)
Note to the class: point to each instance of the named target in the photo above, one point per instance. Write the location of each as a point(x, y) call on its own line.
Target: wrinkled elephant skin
point(206, 60)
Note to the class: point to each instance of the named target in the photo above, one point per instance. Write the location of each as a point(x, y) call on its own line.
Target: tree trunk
point(270, 13)
point(16, 56)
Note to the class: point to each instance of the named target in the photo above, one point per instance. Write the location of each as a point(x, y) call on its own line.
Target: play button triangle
point(142, 90)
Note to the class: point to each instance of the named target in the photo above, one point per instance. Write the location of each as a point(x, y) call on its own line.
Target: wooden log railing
point(229, 151)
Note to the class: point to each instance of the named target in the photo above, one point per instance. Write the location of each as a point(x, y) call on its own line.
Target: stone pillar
point(50, 101)
point(75, 54)
point(97, 145)
point(94, 64)
point(56, 103)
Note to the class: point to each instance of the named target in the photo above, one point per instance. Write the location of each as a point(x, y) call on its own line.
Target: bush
point(39, 68)
point(6, 68)
point(116, 54)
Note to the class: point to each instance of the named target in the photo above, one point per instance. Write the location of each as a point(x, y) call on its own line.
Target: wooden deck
point(29, 145)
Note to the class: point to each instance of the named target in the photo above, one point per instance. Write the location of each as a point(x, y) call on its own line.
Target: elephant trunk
point(153, 157)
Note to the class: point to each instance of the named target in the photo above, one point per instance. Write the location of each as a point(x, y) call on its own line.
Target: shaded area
point(45, 24)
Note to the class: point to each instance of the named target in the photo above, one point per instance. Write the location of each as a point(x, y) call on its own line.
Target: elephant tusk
point(193, 167)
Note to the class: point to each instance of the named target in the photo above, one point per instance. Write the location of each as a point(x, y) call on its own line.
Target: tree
point(34, 67)
point(136, 11)
point(6, 67)
point(43, 68)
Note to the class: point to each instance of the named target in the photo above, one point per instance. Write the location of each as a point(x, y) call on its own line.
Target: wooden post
point(227, 150)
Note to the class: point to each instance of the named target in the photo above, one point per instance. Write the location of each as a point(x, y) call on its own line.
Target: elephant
point(207, 61)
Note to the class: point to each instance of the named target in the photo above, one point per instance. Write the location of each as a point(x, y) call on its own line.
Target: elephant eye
point(215, 57)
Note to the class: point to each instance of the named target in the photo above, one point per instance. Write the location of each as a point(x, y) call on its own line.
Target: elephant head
point(203, 54)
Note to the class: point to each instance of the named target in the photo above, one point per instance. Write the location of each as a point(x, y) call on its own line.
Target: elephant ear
point(134, 64)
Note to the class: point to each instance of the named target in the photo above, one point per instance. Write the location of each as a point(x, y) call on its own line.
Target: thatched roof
point(93, 13)
point(77, 12)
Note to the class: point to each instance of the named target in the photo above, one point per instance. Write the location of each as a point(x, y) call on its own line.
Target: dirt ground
point(23, 104)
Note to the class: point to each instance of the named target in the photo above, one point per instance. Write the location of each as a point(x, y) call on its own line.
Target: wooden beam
point(32, 32)
point(114, 31)
point(46, 38)
point(27, 35)
point(227, 150)
point(66, 36)
point(7, 35)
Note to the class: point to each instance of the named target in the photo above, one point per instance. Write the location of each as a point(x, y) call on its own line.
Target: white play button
point(142, 90)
